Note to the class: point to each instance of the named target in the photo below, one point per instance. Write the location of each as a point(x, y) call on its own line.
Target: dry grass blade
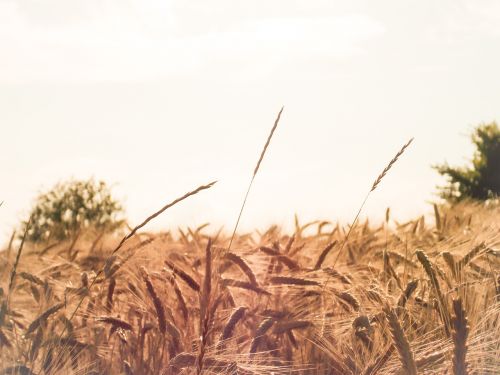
point(459, 336)
point(268, 141)
point(401, 343)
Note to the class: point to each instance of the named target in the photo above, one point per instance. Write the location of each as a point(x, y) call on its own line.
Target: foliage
point(482, 180)
point(72, 206)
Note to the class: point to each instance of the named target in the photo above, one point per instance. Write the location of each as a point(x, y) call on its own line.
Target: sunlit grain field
point(402, 298)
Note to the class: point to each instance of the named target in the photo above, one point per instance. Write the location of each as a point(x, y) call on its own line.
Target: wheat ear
point(235, 317)
point(243, 265)
point(261, 331)
point(401, 342)
point(443, 307)
point(323, 254)
point(374, 186)
point(43, 317)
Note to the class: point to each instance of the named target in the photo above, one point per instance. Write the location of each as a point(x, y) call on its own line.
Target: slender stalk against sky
point(262, 154)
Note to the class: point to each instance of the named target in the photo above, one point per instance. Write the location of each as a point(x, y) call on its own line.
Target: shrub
point(73, 206)
point(482, 180)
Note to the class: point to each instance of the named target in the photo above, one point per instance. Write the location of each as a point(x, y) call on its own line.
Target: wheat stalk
point(459, 336)
point(261, 157)
point(160, 211)
point(205, 300)
point(374, 186)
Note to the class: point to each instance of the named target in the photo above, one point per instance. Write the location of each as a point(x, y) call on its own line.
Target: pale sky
point(158, 97)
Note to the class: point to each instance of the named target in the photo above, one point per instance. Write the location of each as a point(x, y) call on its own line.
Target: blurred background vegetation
point(480, 180)
point(71, 207)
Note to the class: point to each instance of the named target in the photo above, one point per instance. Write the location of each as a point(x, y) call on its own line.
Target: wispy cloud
point(142, 40)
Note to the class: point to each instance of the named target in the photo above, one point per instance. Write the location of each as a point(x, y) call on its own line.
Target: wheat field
point(420, 297)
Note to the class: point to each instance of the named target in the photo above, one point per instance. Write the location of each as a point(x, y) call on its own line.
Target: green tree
point(481, 180)
point(72, 206)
